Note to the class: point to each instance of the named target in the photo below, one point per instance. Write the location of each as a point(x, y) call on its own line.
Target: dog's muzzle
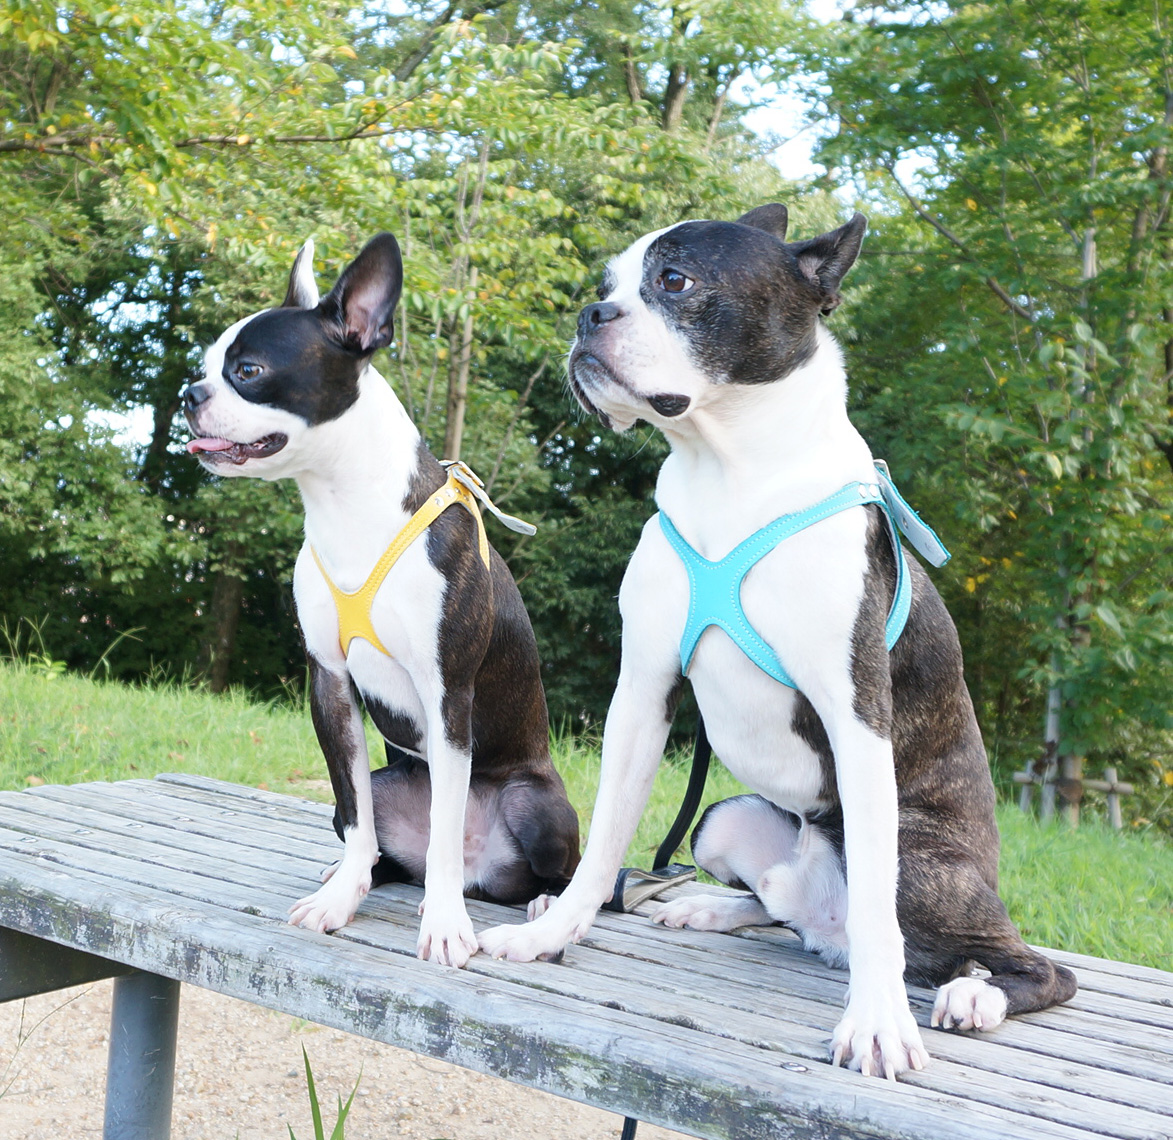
point(213, 449)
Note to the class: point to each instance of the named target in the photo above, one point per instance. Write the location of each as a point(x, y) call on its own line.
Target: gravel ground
point(239, 1075)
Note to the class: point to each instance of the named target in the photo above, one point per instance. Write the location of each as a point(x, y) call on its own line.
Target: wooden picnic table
point(184, 879)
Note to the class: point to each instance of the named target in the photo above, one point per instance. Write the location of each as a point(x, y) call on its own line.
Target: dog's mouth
point(212, 448)
point(587, 369)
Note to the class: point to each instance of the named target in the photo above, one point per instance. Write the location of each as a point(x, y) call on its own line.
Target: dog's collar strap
point(715, 587)
point(462, 486)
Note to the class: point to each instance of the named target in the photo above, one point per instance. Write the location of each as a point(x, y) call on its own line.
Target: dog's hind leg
point(736, 841)
point(953, 918)
point(544, 826)
point(793, 869)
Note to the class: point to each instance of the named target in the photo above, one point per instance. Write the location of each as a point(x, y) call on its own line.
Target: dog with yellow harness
point(405, 608)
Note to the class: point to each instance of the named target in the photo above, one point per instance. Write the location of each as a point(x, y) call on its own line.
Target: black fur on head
point(751, 301)
point(308, 360)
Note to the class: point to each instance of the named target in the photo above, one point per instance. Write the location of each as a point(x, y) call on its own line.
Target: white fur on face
point(646, 356)
point(228, 415)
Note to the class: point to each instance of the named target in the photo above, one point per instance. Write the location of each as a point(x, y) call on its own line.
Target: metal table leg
point(140, 1072)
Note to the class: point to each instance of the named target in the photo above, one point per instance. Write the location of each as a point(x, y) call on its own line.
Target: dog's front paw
point(969, 1003)
point(446, 935)
point(334, 903)
point(712, 912)
point(544, 938)
point(878, 1042)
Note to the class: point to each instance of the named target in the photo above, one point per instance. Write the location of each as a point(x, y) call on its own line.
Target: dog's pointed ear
point(359, 308)
point(825, 260)
point(303, 289)
point(772, 218)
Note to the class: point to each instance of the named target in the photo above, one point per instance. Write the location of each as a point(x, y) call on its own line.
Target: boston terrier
point(439, 650)
point(872, 833)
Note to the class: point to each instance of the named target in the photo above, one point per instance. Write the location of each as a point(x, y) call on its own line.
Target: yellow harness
point(463, 487)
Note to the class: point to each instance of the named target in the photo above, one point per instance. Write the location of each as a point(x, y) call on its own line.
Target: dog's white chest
point(749, 720)
point(406, 614)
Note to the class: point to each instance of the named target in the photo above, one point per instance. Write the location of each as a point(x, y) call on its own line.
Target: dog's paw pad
point(538, 907)
point(969, 1003)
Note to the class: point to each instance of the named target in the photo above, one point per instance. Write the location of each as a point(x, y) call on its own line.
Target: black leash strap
point(702, 754)
point(664, 873)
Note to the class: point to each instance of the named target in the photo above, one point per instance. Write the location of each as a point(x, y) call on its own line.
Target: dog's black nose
point(195, 395)
point(595, 315)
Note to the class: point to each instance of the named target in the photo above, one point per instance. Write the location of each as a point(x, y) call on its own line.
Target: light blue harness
point(715, 587)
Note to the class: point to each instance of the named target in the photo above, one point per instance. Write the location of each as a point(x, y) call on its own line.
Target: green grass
point(64, 728)
point(1092, 891)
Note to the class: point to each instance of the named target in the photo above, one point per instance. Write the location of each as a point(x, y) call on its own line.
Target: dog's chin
point(592, 381)
point(221, 456)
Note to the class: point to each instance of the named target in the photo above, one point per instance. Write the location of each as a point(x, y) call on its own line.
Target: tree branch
point(424, 48)
point(995, 287)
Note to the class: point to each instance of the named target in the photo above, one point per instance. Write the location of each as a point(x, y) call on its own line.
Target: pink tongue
point(208, 443)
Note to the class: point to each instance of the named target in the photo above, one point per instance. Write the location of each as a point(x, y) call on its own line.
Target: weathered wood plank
point(231, 825)
point(1097, 974)
point(652, 995)
point(116, 814)
point(719, 964)
point(1095, 1016)
point(187, 780)
point(673, 1076)
point(31, 966)
point(1056, 1089)
point(196, 860)
point(200, 805)
point(1145, 985)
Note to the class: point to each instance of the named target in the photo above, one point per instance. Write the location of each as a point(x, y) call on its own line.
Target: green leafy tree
point(168, 160)
point(1020, 153)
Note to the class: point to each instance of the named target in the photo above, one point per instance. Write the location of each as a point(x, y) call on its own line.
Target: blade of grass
point(315, 1110)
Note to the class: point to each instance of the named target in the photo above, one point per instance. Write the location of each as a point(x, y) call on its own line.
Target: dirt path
point(239, 1075)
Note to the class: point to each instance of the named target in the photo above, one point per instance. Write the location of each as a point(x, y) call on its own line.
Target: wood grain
point(713, 1035)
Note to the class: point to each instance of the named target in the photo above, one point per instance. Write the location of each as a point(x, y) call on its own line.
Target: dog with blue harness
point(823, 661)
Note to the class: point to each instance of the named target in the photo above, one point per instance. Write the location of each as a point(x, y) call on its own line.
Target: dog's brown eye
point(673, 281)
point(248, 371)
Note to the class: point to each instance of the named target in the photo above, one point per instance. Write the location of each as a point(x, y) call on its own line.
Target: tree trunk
point(224, 620)
point(458, 381)
point(173, 379)
point(635, 92)
point(1070, 776)
point(674, 96)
